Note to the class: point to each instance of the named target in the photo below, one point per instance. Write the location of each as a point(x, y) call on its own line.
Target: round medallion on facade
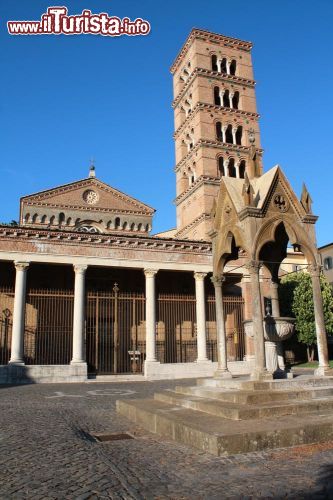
point(90, 197)
point(280, 203)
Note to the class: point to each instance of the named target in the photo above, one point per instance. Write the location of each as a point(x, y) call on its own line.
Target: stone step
point(254, 397)
point(275, 385)
point(221, 436)
point(235, 411)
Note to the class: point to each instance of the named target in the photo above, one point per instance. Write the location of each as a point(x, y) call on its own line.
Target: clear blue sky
point(65, 99)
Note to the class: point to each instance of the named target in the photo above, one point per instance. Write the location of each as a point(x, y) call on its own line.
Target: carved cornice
point(251, 212)
point(85, 208)
point(148, 243)
point(192, 224)
point(212, 107)
point(203, 179)
point(210, 37)
point(215, 75)
point(214, 144)
point(310, 219)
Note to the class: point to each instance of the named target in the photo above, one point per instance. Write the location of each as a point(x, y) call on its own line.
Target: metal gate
point(115, 332)
point(115, 328)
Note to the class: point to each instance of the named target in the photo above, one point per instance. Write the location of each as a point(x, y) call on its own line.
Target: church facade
point(86, 290)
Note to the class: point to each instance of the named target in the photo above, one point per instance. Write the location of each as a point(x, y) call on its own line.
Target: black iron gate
point(115, 331)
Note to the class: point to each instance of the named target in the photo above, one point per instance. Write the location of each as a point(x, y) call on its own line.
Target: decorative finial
point(306, 200)
point(92, 172)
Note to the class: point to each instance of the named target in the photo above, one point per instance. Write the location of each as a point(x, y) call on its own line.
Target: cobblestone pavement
point(46, 452)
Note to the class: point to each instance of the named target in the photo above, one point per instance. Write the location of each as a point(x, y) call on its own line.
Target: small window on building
point(328, 263)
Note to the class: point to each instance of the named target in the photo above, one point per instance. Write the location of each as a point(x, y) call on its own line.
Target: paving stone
point(45, 453)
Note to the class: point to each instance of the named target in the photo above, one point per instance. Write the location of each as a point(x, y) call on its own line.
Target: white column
point(78, 314)
point(221, 93)
point(17, 346)
point(228, 62)
point(226, 168)
point(219, 65)
point(150, 315)
point(321, 334)
point(201, 316)
point(224, 129)
point(234, 130)
point(237, 163)
point(222, 367)
point(231, 95)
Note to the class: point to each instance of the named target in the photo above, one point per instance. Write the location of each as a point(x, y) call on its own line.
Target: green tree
point(296, 299)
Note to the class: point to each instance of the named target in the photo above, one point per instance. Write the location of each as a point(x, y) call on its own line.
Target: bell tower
point(216, 124)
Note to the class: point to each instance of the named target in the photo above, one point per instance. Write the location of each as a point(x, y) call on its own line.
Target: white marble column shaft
point(17, 345)
point(200, 315)
point(150, 315)
point(79, 314)
point(222, 366)
point(319, 321)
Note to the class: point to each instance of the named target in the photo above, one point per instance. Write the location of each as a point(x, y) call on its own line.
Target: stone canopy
point(248, 212)
point(87, 205)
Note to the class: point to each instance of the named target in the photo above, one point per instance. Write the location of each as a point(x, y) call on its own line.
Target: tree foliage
point(296, 299)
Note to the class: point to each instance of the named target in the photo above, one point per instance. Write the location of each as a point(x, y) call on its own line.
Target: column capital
point(198, 276)
point(21, 266)
point(80, 268)
point(315, 269)
point(150, 273)
point(218, 280)
point(253, 266)
point(273, 284)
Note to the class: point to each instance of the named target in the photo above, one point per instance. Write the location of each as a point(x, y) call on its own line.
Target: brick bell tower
point(216, 124)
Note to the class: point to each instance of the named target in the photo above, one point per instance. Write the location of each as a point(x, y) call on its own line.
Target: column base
point(323, 371)
point(78, 362)
point(205, 360)
point(16, 362)
point(224, 374)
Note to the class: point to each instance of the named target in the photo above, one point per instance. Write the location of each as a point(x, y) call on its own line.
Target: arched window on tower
point(235, 100)
point(218, 128)
point(242, 167)
point(217, 100)
point(117, 223)
point(220, 166)
point(231, 168)
point(228, 135)
point(224, 65)
point(226, 99)
point(233, 67)
point(214, 63)
point(239, 134)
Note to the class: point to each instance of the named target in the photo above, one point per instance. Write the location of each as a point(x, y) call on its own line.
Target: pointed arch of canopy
point(232, 242)
point(295, 233)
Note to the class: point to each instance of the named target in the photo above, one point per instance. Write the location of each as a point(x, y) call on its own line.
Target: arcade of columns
point(17, 352)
